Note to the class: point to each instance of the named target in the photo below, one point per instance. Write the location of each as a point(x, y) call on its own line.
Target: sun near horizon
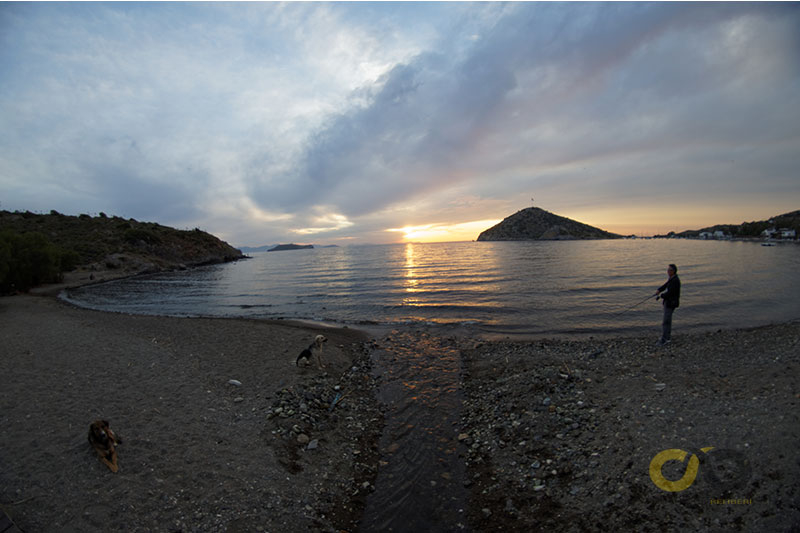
point(465, 231)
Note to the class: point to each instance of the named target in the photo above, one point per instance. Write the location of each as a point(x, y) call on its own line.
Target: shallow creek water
point(420, 482)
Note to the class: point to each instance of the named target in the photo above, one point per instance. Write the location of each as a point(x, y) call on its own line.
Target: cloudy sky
point(382, 122)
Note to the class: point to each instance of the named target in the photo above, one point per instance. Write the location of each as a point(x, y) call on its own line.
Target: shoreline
point(201, 453)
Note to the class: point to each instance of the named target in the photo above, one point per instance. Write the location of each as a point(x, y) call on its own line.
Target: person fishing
point(670, 293)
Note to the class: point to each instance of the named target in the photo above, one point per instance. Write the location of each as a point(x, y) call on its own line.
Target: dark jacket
point(671, 292)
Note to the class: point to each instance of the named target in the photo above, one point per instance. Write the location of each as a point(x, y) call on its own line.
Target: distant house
point(718, 235)
point(783, 233)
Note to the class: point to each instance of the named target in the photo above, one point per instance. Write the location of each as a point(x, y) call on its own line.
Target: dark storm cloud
point(551, 84)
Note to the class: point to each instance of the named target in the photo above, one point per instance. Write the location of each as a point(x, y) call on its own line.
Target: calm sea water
point(567, 288)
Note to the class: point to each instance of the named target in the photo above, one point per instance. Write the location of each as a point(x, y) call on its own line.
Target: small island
point(535, 224)
point(282, 247)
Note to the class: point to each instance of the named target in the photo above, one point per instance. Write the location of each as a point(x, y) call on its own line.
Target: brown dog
point(313, 351)
point(104, 442)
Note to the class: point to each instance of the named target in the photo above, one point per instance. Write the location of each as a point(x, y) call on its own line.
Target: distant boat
point(767, 244)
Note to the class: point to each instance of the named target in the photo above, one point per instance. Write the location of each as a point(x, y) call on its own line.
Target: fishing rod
point(636, 304)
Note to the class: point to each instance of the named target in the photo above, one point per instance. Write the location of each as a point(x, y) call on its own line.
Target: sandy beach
point(556, 435)
point(198, 453)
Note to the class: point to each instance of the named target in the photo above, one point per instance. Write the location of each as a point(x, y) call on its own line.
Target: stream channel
point(420, 482)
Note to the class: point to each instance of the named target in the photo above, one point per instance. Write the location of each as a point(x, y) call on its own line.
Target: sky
point(337, 123)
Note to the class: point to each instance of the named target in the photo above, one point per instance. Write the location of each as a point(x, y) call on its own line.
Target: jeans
point(666, 323)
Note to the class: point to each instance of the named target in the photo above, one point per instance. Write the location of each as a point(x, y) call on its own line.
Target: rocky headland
point(104, 246)
point(534, 223)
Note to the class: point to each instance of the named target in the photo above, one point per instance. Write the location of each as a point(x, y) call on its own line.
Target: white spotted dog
point(314, 350)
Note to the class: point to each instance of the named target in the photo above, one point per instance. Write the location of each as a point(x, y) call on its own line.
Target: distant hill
point(745, 229)
point(282, 247)
point(534, 223)
point(271, 247)
point(104, 242)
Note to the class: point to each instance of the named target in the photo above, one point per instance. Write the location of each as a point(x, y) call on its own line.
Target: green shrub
point(135, 235)
point(29, 259)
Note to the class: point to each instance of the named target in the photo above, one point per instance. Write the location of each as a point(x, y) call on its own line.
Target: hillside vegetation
point(746, 229)
point(38, 248)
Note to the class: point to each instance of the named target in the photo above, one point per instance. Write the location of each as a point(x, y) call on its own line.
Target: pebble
point(302, 438)
point(235, 382)
point(313, 445)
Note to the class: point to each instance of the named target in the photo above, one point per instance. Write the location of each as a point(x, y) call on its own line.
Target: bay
point(494, 289)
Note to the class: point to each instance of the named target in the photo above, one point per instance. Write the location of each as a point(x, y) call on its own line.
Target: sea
point(569, 289)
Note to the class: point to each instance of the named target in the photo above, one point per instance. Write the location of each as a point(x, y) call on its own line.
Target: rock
point(510, 506)
point(302, 438)
point(235, 382)
point(238, 399)
point(486, 512)
point(313, 445)
point(660, 386)
point(462, 437)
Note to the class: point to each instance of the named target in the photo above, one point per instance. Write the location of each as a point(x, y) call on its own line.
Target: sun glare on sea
point(465, 231)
